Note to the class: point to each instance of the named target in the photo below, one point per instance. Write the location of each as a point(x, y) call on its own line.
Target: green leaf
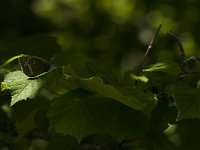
point(67, 142)
point(62, 84)
point(23, 109)
point(25, 126)
point(140, 78)
point(39, 143)
point(198, 84)
point(167, 66)
point(187, 100)
point(80, 114)
point(96, 84)
point(156, 67)
point(3, 86)
point(21, 86)
point(3, 72)
point(24, 113)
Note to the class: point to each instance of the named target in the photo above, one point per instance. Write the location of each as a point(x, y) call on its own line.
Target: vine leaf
point(187, 100)
point(21, 86)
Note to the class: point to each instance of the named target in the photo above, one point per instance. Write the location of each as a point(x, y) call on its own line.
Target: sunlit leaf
point(3, 86)
point(167, 66)
point(140, 78)
point(21, 86)
point(156, 67)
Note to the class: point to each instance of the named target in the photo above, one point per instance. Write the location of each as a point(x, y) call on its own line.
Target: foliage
point(96, 97)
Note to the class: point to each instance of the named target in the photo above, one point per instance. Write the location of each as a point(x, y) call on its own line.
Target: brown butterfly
point(33, 66)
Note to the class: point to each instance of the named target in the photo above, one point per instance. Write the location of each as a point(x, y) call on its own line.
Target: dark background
point(113, 32)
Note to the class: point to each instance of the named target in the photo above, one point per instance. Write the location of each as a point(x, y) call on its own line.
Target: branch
point(152, 43)
point(182, 51)
point(191, 58)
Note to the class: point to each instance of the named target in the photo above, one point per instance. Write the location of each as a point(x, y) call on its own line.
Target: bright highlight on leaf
point(198, 84)
point(156, 67)
point(20, 86)
point(3, 86)
point(140, 78)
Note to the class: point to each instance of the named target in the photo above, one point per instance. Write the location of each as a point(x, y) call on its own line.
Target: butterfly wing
point(34, 66)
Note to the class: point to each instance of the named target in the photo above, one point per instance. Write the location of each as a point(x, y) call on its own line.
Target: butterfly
point(33, 66)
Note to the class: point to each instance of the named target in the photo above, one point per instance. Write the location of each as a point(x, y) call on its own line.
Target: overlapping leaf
point(97, 85)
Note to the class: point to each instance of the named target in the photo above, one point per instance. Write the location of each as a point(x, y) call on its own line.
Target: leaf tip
point(3, 86)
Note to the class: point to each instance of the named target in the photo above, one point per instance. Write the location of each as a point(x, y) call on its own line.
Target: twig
point(191, 58)
point(182, 51)
point(152, 43)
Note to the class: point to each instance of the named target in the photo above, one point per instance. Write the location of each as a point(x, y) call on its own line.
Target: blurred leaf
point(67, 142)
point(3, 86)
point(25, 126)
point(160, 79)
point(167, 66)
point(21, 87)
point(39, 144)
point(140, 78)
point(156, 67)
point(187, 100)
point(198, 84)
point(41, 119)
point(109, 75)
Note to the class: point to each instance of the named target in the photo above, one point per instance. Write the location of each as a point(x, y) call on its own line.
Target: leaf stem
point(9, 61)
